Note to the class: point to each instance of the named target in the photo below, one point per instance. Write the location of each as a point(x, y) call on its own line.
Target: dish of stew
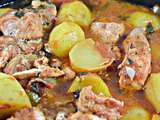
point(80, 60)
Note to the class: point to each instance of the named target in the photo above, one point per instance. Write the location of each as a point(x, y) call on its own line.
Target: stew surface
point(80, 60)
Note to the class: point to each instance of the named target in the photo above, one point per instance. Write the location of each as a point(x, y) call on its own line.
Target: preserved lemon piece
point(141, 19)
point(63, 37)
point(156, 117)
point(98, 85)
point(136, 113)
point(89, 55)
point(13, 97)
point(152, 89)
point(75, 12)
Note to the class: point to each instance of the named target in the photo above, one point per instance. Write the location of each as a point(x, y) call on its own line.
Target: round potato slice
point(75, 12)
point(63, 37)
point(152, 89)
point(141, 19)
point(12, 95)
point(98, 85)
point(89, 56)
point(136, 113)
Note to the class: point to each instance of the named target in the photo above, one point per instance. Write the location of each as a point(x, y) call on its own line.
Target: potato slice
point(152, 89)
point(156, 117)
point(75, 12)
point(89, 55)
point(98, 85)
point(75, 86)
point(12, 95)
point(4, 10)
point(63, 37)
point(136, 113)
point(141, 19)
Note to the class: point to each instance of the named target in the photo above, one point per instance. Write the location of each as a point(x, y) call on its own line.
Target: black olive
point(76, 94)
point(149, 28)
